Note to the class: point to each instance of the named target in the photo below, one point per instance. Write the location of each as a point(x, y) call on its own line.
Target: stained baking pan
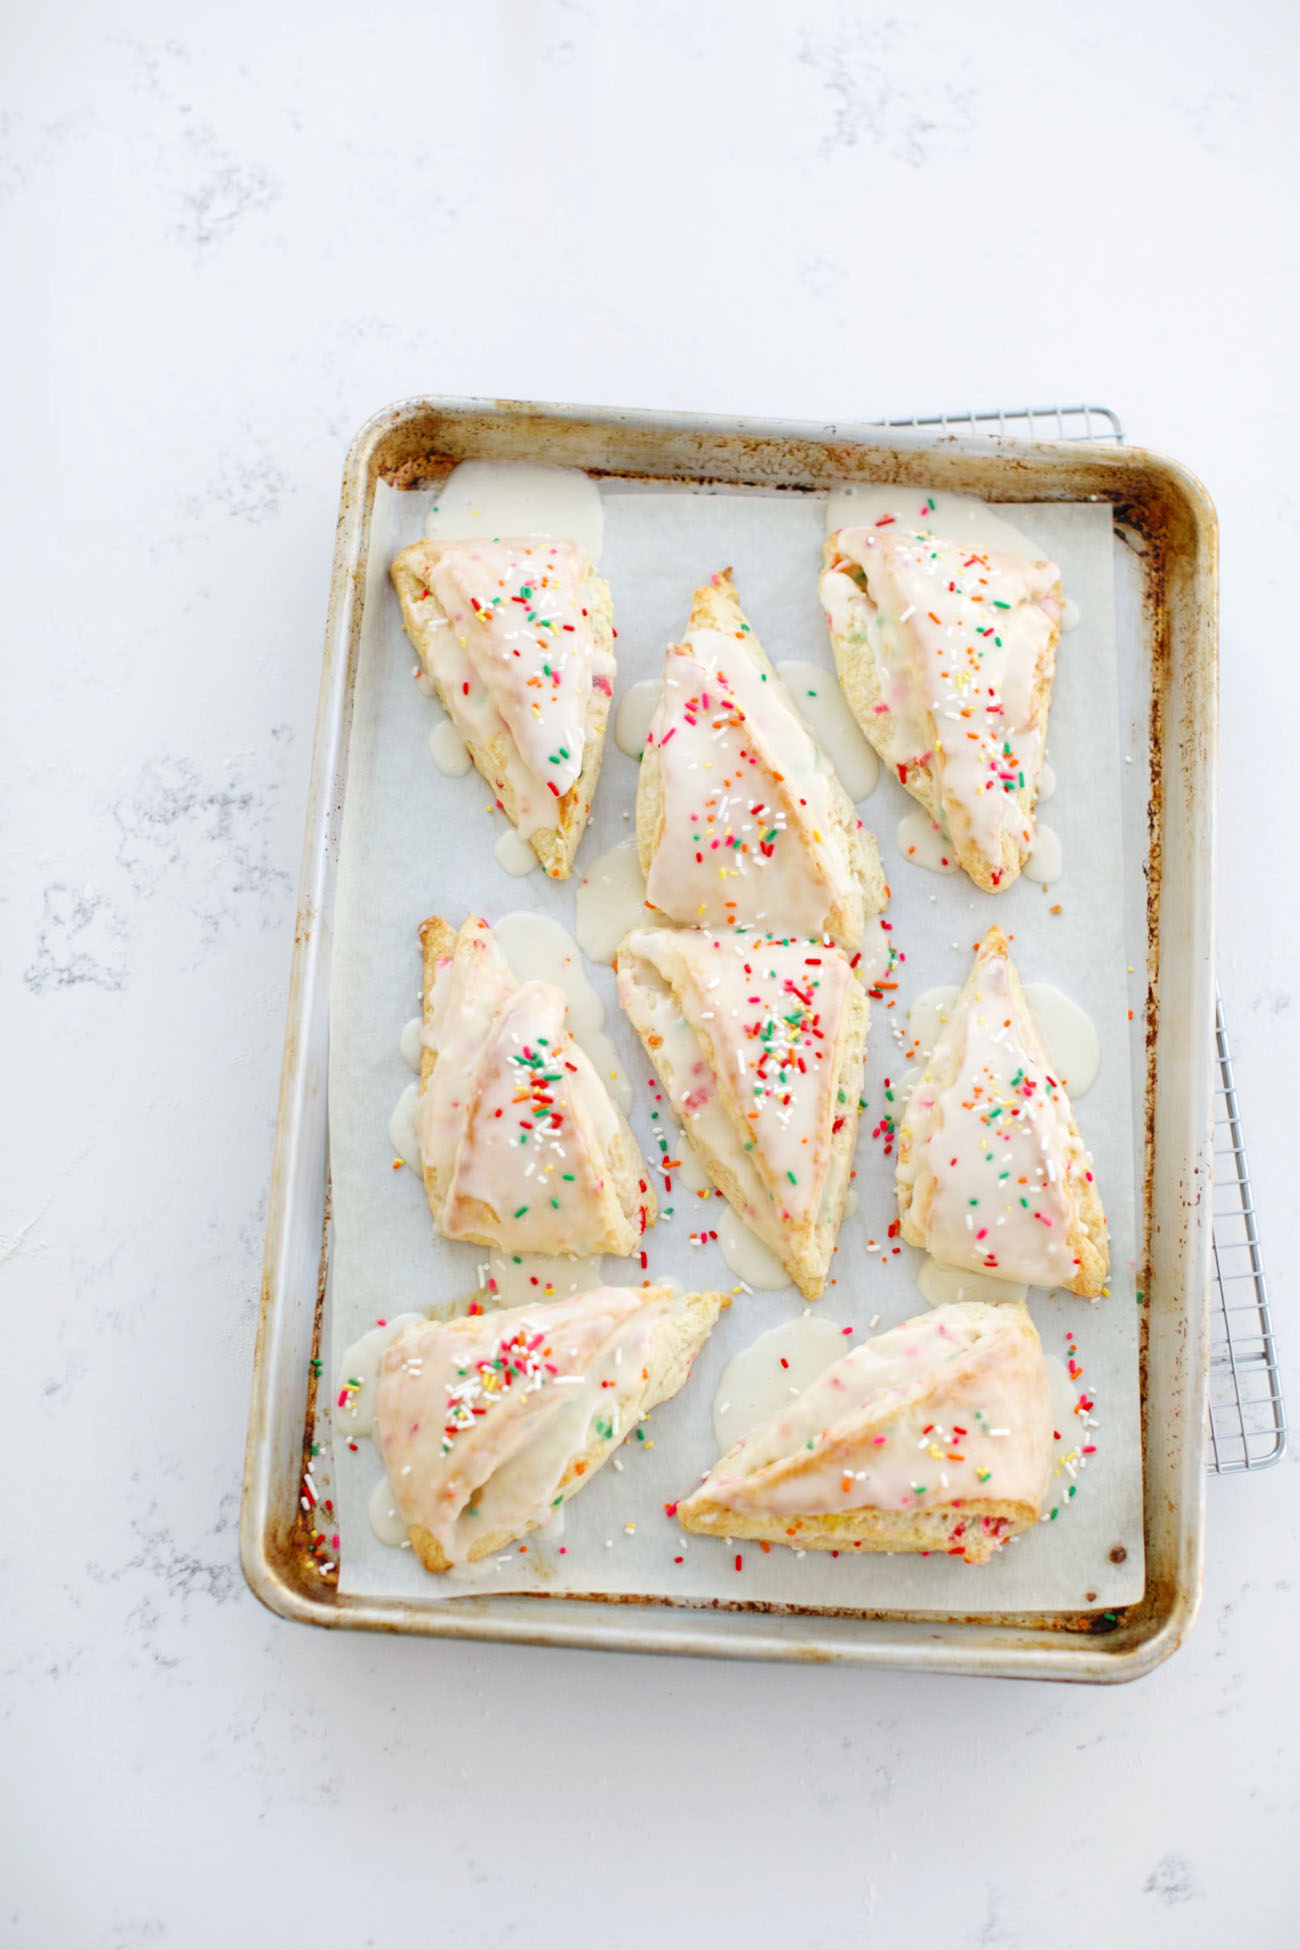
point(1166, 578)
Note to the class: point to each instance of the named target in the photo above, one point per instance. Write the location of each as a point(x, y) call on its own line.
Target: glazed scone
point(517, 637)
point(487, 1424)
point(992, 1173)
point(522, 1146)
point(934, 1436)
point(741, 820)
point(947, 657)
point(760, 1046)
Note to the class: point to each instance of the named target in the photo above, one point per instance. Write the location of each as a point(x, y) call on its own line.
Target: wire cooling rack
point(1247, 1415)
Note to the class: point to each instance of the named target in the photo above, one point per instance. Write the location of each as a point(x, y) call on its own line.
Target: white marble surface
point(243, 229)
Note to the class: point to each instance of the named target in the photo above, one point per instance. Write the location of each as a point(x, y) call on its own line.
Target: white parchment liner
point(415, 842)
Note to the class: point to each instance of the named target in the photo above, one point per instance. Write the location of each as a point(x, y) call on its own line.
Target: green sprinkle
point(555, 1202)
point(998, 605)
point(793, 1180)
point(520, 1213)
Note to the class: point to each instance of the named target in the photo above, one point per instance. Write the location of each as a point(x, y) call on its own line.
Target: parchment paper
point(415, 842)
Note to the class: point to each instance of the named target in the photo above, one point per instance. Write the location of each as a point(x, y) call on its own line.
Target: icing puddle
point(746, 1255)
point(817, 697)
point(513, 853)
point(761, 1379)
point(636, 708)
point(610, 900)
point(539, 949)
point(1068, 1031)
point(497, 498)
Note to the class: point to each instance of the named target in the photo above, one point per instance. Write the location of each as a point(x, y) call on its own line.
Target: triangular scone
point(935, 1436)
point(517, 637)
point(946, 658)
point(760, 1046)
point(488, 1423)
point(741, 820)
point(522, 1145)
point(992, 1173)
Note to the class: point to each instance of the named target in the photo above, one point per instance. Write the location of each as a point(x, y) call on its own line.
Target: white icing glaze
point(381, 1508)
point(960, 643)
point(468, 993)
point(412, 1042)
point(449, 751)
point(1069, 1036)
point(770, 1013)
point(516, 608)
point(749, 836)
point(534, 1091)
point(403, 1127)
point(610, 900)
point(353, 1407)
point(923, 844)
point(868, 1433)
point(477, 1427)
point(928, 1015)
point(996, 1139)
point(491, 498)
point(424, 684)
point(537, 947)
point(942, 1286)
point(1044, 863)
point(749, 1259)
point(515, 1120)
point(692, 1092)
point(759, 1382)
point(1046, 781)
point(1070, 614)
point(513, 853)
point(817, 697)
point(636, 708)
point(956, 517)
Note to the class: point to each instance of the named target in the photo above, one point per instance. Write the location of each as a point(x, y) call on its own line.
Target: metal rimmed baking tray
point(1166, 572)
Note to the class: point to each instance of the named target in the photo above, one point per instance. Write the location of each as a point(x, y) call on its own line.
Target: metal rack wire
point(1247, 1416)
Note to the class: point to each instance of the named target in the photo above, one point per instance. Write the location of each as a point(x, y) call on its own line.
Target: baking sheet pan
point(1165, 580)
point(387, 1260)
